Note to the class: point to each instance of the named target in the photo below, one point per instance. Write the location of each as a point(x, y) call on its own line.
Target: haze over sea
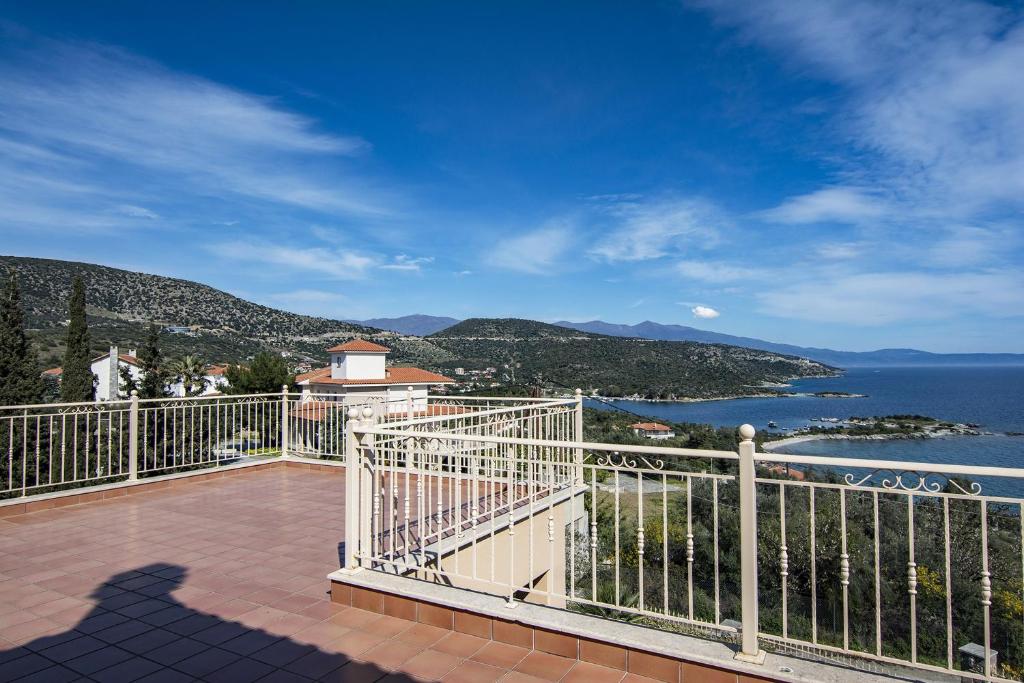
point(992, 397)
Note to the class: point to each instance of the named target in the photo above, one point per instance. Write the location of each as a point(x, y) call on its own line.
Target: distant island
point(874, 428)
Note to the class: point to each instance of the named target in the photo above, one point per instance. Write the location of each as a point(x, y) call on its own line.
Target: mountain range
point(221, 327)
point(426, 324)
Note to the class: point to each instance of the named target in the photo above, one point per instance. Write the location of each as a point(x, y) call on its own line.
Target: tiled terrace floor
point(223, 580)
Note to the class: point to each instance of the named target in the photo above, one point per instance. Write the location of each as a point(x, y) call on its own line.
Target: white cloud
point(838, 251)
point(136, 212)
point(832, 204)
point(642, 231)
point(718, 272)
point(931, 96)
point(882, 298)
point(409, 263)
point(704, 312)
point(537, 252)
point(98, 124)
point(332, 263)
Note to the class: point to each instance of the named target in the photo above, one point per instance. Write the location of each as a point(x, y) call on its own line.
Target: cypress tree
point(77, 382)
point(153, 383)
point(20, 379)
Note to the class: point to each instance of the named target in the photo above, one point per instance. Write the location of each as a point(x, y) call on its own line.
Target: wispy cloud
point(881, 298)
point(136, 211)
point(718, 272)
point(407, 263)
point(932, 100)
point(641, 231)
point(335, 264)
point(102, 126)
point(537, 252)
point(827, 205)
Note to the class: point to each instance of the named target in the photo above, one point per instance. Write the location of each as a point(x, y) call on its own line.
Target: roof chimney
point(113, 376)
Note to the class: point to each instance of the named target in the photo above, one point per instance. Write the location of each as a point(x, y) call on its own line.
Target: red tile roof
point(359, 345)
point(651, 427)
point(321, 372)
point(217, 370)
point(56, 372)
point(392, 376)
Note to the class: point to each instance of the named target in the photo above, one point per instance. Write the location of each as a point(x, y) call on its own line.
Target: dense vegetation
point(551, 356)
point(121, 303)
point(665, 546)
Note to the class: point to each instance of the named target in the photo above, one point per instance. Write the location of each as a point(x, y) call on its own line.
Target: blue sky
point(828, 173)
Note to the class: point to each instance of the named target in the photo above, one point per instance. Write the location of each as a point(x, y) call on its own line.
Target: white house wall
point(101, 368)
point(355, 365)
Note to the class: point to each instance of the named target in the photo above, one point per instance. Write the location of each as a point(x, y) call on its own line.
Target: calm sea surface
point(990, 396)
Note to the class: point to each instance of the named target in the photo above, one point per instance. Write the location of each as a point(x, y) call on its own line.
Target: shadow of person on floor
point(138, 631)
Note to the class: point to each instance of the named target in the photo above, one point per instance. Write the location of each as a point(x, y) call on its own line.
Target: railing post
point(366, 492)
point(409, 402)
point(133, 438)
point(578, 436)
point(352, 478)
point(284, 420)
point(749, 650)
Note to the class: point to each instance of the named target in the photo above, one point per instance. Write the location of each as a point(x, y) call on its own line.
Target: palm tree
point(190, 370)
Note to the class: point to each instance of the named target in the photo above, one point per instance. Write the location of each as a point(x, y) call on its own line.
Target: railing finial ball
point(353, 413)
point(747, 432)
point(578, 392)
point(367, 412)
point(135, 393)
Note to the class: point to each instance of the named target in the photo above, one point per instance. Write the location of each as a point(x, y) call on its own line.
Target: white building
point(215, 381)
point(652, 430)
point(358, 373)
point(108, 374)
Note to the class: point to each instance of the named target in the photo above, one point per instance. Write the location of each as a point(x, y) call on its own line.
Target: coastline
point(733, 397)
point(774, 445)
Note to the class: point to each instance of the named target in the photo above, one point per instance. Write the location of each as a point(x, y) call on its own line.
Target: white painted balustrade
point(891, 566)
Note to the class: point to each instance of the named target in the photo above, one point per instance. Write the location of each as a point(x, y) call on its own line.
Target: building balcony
point(271, 538)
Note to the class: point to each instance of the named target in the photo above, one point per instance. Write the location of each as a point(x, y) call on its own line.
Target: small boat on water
point(772, 424)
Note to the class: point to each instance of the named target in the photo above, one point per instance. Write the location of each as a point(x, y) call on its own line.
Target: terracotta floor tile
point(460, 644)
point(501, 655)
point(585, 672)
point(390, 654)
point(430, 665)
point(474, 672)
point(545, 666)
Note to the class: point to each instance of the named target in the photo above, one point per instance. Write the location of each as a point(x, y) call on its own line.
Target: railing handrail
point(896, 465)
point(480, 413)
point(393, 430)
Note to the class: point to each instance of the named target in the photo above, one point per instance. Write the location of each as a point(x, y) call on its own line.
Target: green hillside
point(539, 353)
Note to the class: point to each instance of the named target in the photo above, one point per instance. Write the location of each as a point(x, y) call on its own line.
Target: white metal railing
point(883, 565)
point(51, 447)
point(316, 422)
point(46, 448)
point(895, 564)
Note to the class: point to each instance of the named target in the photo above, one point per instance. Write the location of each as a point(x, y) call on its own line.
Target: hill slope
point(121, 303)
point(419, 324)
point(549, 354)
point(846, 359)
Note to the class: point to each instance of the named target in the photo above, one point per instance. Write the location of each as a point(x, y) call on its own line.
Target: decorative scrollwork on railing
point(911, 481)
point(77, 410)
point(247, 399)
point(616, 459)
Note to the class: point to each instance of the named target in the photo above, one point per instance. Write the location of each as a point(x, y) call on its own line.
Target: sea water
point(992, 397)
